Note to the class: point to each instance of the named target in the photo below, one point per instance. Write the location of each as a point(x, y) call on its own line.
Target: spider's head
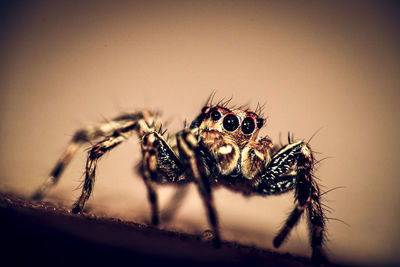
point(240, 124)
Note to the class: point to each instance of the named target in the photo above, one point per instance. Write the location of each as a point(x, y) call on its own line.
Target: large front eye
point(231, 122)
point(248, 125)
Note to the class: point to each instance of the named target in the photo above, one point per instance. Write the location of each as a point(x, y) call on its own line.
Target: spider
point(220, 147)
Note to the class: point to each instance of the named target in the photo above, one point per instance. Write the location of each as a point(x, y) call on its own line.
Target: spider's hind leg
point(82, 136)
point(140, 122)
point(90, 134)
point(79, 138)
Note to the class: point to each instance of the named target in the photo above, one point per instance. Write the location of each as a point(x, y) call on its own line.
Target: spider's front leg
point(291, 168)
point(192, 154)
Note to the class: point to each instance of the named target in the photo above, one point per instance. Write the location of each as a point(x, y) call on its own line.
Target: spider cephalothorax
point(220, 148)
point(230, 136)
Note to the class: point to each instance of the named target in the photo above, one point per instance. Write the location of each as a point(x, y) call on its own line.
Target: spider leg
point(290, 222)
point(160, 165)
point(190, 152)
point(79, 138)
point(149, 173)
point(291, 168)
point(98, 150)
point(87, 135)
point(317, 225)
point(174, 204)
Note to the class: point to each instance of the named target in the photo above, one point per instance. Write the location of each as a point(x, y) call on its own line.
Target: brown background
point(65, 64)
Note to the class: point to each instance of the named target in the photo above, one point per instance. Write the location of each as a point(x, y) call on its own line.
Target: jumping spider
point(221, 147)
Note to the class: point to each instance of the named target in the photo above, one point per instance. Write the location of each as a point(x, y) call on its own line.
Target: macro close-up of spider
point(220, 147)
point(200, 133)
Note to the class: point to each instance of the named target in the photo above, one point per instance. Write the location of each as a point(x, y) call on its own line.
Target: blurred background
point(315, 65)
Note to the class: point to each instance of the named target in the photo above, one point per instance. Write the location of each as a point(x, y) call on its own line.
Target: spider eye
point(248, 125)
point(231, 122)
point(216, 115)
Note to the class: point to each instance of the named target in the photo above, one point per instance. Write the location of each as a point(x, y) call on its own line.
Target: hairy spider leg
point(86, 135)
point(78, 139)
point(317, 225)
point(118, 136)
point(149, 173)
point(291, 168)
point(190, 152)
point(159, 165)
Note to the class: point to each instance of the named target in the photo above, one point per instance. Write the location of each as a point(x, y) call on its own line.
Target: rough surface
point(40, 233)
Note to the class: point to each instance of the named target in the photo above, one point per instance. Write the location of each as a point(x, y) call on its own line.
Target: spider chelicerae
point(220, 147)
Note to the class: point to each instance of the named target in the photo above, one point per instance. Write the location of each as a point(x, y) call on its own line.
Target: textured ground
point(42, 233)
